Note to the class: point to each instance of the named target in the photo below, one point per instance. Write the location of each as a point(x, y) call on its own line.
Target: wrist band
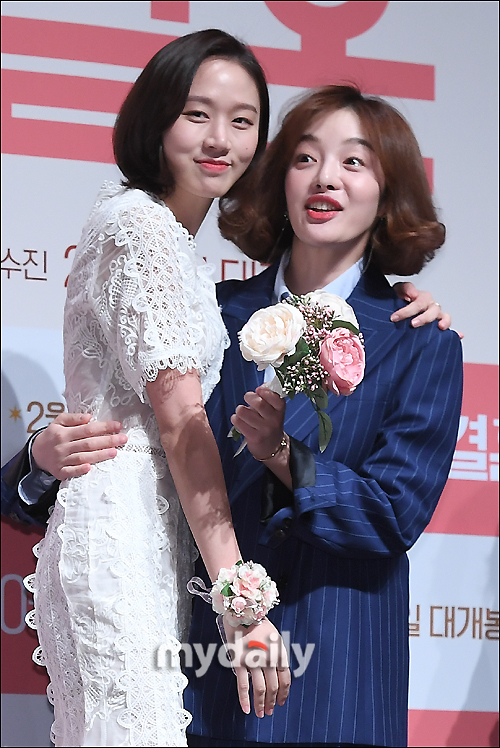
point(244, 594)
point(283, 443)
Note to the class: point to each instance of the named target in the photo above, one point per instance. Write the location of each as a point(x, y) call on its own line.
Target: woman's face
point(333, 185)
point(214, 140)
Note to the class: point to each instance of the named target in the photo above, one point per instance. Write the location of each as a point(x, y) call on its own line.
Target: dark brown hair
point(406, 235)
point(157, 99)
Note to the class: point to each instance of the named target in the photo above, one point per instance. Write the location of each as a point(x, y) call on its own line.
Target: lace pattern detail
point(138, 288)
point(110, 588)
point(110, 583)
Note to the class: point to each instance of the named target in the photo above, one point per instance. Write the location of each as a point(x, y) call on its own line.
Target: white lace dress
point(110, 583)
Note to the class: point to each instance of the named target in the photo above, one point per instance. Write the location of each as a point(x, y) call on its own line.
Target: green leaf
point(325, 430)
point(226, 590)
point(301, 350)
point(235, 434)
point(280, 376)
point(347, 325)
point(320, 397)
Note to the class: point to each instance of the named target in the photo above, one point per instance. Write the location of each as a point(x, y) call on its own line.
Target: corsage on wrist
point(244, 594)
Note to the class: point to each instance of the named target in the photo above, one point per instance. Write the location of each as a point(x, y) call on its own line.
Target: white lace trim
point(138, 288)
point(110, 587)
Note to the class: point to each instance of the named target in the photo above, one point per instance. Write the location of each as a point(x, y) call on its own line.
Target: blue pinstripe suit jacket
point(339, 553)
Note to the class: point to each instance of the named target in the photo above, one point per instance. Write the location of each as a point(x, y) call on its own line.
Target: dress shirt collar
point(342, 286)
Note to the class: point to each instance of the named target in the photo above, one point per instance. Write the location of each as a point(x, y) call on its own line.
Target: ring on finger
point(437, 304)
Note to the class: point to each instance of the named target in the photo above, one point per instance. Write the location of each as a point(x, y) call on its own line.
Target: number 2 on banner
point(52, 411)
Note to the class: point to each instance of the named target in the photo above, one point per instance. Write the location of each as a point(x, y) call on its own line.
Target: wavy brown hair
point(407, 233)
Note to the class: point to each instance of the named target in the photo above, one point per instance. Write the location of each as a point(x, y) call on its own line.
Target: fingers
point(90, 429)
point(72, 419)
point(266, 663)
point(264, 690)
point(444, 321)
point(259, 415)
point(259, 691)
point(284, 682)
point(271, 678)
point(421, 304)
point(66, 450)
point(270, 686)
point(73, 472)
point(406, 291)
point(429, 315)
point(270, 397)
point(243, 688)
point(246, 419)
point(258, 401)
point(93, 449)
point(422, 307)
point(270, 406)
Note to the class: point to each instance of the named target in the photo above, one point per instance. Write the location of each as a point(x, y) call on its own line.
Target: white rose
point(271, 334)
point(341, 308)
point(226, 575)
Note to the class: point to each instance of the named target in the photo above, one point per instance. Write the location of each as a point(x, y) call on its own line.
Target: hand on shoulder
point(421, 306)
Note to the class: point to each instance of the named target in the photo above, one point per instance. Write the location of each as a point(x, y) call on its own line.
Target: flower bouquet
point(314, 345)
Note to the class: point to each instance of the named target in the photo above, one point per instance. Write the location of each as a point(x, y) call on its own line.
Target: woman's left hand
point(261, 423)
point(421, 306)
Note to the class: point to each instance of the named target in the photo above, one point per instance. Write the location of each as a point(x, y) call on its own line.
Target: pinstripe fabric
point(340, 561)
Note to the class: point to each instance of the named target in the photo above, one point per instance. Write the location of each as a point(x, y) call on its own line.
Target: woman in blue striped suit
point(341, 200)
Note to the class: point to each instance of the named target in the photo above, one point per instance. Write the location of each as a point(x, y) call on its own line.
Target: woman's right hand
point(259, 651)
point(72, 444)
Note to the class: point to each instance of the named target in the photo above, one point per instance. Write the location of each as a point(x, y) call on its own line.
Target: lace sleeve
point(147, 293)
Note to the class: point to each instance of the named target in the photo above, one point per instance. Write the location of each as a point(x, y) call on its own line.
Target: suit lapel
point(373, 301)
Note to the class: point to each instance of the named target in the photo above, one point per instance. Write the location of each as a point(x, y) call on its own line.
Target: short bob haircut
point(407, 233)
point(158, 97)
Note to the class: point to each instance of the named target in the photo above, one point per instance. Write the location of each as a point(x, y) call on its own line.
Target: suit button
point(287, 523)
point(280, 534)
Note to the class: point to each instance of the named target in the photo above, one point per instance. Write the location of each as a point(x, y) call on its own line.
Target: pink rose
point(343, 357)
point(238, 604)
point(249, 579)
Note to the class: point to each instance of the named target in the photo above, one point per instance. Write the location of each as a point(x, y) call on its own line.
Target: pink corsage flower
point(238, 604)
point(245, 593)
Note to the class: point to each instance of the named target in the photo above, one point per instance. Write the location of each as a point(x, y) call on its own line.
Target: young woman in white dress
point(143, 345)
